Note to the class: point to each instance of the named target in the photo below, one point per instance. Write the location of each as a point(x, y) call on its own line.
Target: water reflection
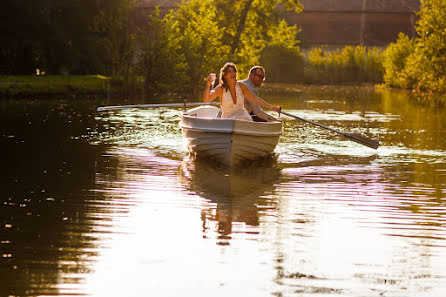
point(44, 188)
point(234, 196)
point(107, 206)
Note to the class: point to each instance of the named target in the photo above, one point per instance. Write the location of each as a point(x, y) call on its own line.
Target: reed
point(351, 65)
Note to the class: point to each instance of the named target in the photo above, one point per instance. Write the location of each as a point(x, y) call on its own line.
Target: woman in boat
point(232, 94)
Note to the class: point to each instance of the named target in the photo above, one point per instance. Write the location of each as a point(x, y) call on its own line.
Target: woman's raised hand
point(211, 78)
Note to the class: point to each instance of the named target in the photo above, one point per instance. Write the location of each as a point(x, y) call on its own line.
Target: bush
point(395, 60)
point(282, 64)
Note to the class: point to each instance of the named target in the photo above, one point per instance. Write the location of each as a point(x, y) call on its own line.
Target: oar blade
point(362, 140)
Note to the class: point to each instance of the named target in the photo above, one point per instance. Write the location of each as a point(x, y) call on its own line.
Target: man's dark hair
point(254, 69)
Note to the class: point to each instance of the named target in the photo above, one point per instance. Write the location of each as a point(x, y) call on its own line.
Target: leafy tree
point(420, 64)
point(16, 48)
point(43, 34)
point(250, 25)
point(76, 36)
point(395, 60)
point(281, 57)
point(201, 35)
point(159, 61)
point(427, 64)
point(111, 26)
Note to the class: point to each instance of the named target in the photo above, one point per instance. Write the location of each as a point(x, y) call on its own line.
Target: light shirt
point(253, 107)
point(251, 86)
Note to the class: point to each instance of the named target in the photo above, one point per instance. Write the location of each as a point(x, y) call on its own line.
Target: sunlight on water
point(328, 217)
point(112, 205)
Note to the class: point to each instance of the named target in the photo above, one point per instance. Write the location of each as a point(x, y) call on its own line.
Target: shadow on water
point(233, 196)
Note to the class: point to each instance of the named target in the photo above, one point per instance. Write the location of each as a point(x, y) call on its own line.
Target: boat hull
point(226, 141)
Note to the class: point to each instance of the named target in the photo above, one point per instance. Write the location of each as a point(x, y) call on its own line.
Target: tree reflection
point(46, 227)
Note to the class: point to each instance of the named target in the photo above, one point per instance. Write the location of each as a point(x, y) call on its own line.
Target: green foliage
point(420, 64)
point(427, 65)
point(349, 65)
point(282, 64)
point(284, 35)
point(282, 58)
point(200, 36)
point(395, 60)
point(193, 29)
point(64, 36)
point(179, 49)
point(111, 26)
point(158, 63)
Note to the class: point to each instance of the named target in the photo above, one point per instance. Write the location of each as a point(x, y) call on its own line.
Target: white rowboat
point(226, 141)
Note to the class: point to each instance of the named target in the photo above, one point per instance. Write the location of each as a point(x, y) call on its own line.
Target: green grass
point(47, 85)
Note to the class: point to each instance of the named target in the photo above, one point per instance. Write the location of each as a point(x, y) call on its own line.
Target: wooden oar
point(185, 104)
point(352, 136)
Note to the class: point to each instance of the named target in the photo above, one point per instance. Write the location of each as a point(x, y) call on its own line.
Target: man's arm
point(259, 112)
point(255, 108)
point(250, 96)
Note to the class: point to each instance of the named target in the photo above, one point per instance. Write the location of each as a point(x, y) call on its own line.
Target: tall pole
point(362, 28)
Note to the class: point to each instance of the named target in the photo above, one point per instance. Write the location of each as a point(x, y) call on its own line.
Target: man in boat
point(229, 91)
point(253, 82)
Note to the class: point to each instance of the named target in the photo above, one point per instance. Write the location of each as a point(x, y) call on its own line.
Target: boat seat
point(207, 111)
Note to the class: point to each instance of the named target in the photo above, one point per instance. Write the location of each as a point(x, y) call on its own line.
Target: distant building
point(332, 22)
point(146, 7)
point(354, 22)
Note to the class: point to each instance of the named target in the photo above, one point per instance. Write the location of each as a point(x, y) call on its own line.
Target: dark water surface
point(110, 205)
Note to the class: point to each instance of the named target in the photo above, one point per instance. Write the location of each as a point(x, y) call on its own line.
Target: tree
point(427, 64)
point(395, 60)
point(159, 62)
point(420, 64)
point(281, 56)
point(76, 36)
point(202, 35)
point(111, 26)
point(250, 25)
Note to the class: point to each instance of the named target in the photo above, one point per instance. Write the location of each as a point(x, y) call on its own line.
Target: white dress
point(235, 111)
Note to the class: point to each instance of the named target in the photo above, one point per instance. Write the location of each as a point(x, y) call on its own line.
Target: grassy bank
point(50, 86)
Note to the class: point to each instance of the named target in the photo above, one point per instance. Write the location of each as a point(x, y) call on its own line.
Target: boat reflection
point(232, 198)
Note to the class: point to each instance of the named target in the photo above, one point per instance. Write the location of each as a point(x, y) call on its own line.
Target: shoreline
point(72, 87)
point(55, 86)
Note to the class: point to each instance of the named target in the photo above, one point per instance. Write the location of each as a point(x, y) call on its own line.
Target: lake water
point(110, 204)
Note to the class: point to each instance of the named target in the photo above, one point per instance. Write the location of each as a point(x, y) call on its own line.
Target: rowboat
point(232, 142)
point(227, 142)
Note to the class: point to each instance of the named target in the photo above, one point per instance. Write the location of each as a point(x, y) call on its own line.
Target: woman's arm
point(253, 98)
point(213, 94)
